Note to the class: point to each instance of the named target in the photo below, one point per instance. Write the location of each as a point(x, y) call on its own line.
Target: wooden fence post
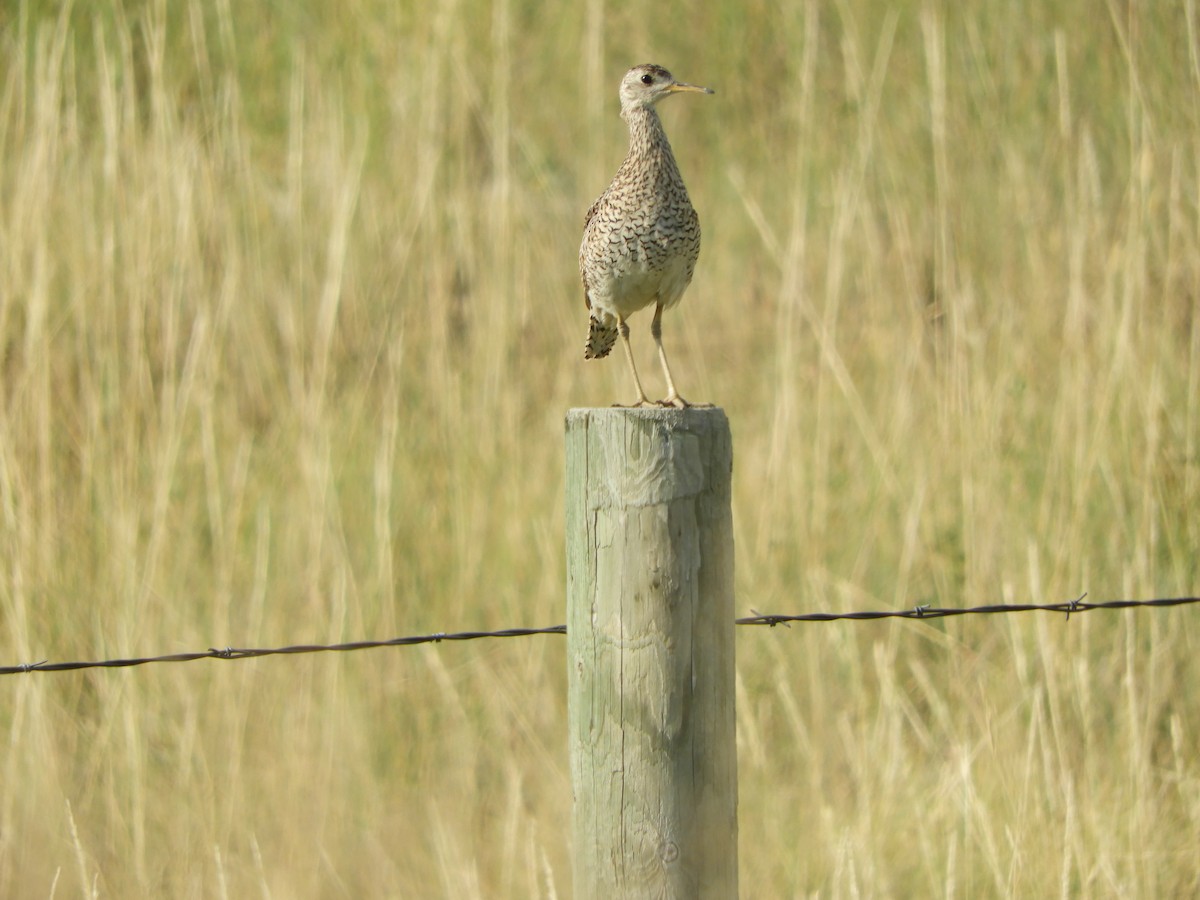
point(650, 653)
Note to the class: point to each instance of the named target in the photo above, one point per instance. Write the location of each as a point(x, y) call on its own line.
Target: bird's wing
point(591, 213)
point(587, 220)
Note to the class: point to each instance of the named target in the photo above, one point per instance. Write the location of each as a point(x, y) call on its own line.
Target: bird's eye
point(647, 79)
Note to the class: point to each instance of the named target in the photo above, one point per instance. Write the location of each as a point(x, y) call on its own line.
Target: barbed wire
point(1078, 605)
point(932, 612)
point(254, 653)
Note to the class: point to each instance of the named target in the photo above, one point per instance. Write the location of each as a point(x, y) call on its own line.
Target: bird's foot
point(638, 404)
point(674, 401)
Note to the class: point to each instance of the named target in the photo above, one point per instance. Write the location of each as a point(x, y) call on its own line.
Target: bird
point(641, 237)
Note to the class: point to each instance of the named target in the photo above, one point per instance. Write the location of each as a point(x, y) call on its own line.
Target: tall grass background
point(289, 320)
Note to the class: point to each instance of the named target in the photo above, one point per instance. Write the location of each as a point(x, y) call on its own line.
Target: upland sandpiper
point(641, 237)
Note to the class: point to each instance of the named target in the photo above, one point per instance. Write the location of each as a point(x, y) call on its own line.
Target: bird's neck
point(647, 140)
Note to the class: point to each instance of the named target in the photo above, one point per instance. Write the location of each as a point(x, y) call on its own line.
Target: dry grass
point(289, 320)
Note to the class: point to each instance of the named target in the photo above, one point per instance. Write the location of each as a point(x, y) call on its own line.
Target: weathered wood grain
point(651, 653)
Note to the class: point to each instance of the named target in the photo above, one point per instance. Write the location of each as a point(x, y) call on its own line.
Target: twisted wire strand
point(1078, 605)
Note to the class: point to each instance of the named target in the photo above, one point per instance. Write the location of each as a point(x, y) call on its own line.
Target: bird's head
point(643, 86)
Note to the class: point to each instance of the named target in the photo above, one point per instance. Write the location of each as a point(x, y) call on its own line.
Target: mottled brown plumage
point(641, 237)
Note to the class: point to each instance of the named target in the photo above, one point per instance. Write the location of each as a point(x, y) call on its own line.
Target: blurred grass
point(289, 319)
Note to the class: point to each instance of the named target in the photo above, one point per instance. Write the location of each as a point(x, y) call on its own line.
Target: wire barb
point(769, 620)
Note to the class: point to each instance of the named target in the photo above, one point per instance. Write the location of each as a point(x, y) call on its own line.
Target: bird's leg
point(672, 398)
point(623, 328)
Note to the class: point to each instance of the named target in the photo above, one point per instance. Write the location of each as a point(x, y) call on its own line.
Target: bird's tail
point(601, 338)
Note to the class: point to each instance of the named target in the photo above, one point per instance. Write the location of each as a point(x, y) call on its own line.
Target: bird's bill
point(677, 87)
